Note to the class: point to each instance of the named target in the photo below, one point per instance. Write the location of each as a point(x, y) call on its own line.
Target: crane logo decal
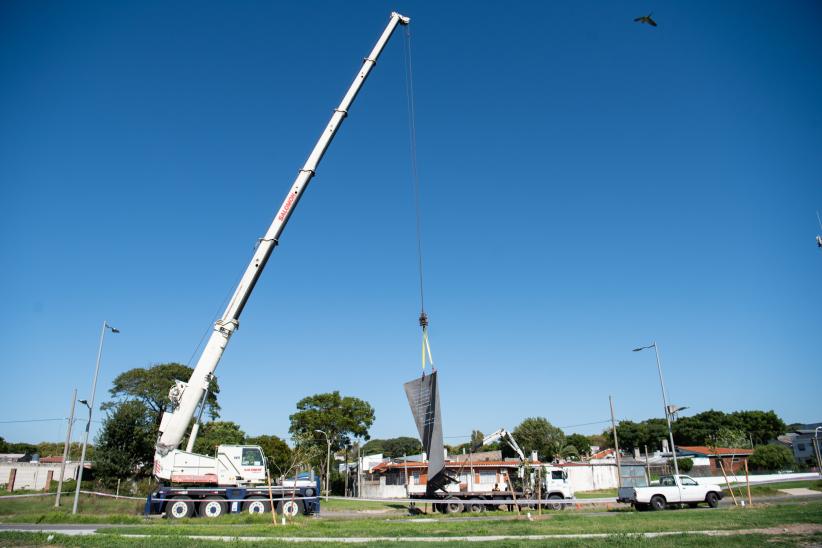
point(287, 205)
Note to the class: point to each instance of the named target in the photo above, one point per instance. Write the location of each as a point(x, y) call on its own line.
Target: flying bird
point(646, 19)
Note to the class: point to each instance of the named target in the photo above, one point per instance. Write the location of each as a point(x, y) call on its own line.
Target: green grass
point(621, 541)
point(596, 494)
point(91, 509)
point(337, 505)
point(773, 489)
point(555, 523)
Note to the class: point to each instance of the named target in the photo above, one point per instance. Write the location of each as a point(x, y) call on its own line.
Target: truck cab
point(556, 486)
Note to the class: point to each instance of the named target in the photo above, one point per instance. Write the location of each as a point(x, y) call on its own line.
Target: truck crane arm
point(503, 433)
point(185, 396)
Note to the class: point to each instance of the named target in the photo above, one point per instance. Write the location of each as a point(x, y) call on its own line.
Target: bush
point(771, 458)
point(685, 464)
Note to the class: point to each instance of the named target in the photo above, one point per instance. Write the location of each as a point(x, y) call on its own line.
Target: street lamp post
point(664, 401)
point(816, 449)
point(327, 462)
point(90, 406)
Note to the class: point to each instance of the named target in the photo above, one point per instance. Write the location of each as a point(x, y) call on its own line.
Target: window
point(688, 481)
point(667, 481)
point(252, 457)
point(800, 446)
point(557, 474)
point(488, 477)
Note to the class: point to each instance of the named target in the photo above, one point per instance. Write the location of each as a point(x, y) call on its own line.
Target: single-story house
point(733, 459)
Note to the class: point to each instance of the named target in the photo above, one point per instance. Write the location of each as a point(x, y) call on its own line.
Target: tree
point(730, 437)
point(341, 418)
point(277, 452)
point(762, 426)
point(4, 447)
point(580, 442)
point(216, 433)
point(685, 464)
point(771, 457)
point(125, 445)
point(639, 434)
point(151, 385)
point(476, 440)
point(537, 434)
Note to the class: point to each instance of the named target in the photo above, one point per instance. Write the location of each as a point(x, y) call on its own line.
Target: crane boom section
point(185, 396)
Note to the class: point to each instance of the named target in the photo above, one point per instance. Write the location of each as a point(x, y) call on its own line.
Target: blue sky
point(588, 185)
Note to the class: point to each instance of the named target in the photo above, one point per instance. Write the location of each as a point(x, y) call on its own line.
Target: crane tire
point(256, 505)
point(212, 507)
point(179, 508)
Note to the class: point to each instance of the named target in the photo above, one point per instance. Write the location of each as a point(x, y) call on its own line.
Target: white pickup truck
point(671, 490)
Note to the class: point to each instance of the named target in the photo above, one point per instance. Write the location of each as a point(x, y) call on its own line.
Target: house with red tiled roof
point(733, 459)
point(389, 479)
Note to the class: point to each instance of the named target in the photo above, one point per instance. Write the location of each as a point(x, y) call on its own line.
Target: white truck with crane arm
point(555, 485)
point(234, 478)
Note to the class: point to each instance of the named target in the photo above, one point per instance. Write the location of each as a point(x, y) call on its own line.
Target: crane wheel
point(256, 505)
point(213, 507)
point(179, 508)
point(290, 508)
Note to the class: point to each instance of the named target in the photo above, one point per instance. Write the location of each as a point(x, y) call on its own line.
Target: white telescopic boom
point(185, 396)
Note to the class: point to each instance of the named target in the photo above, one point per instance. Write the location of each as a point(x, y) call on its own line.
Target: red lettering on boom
point(287, 206)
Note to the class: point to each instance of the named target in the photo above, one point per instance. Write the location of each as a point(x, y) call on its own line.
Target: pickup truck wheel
point(213, 507)
point(256, 505)
point(657, 502)
point(180, 507)
point(712, 499)
point(555, 505)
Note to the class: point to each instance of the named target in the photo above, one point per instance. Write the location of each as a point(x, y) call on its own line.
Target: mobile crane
point(234, 479)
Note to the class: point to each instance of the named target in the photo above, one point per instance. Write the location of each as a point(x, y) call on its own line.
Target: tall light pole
point(816, 449)
point(65, 450)
point(327, 462)
point(90, 406)
point(664, 401)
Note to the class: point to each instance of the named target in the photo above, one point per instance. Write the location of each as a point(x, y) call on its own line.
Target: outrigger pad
point(424, 399)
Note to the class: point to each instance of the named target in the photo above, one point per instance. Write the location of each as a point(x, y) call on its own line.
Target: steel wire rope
point(415, 180)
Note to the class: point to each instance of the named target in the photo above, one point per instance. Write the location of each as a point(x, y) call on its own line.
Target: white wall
point(33, 476)
point(592, 477)
point(764, 478)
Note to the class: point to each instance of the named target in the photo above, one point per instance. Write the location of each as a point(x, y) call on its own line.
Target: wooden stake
point(513, 493)
point(271, 498)
point(539, 489)
point(728, 483)
point(748, 481)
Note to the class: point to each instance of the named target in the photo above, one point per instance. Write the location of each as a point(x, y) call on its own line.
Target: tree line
point(124, 447)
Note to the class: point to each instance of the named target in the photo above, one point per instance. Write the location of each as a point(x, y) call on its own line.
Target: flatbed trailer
point(473, 501)
point(184, 502)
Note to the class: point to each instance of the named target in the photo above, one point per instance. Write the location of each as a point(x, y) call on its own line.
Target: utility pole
point(65, 450)
point(90, 405)
point(616, 442)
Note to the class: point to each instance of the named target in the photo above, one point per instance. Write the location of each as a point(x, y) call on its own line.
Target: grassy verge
point(773, 489)
point(558, 523)
point(92, 509)
point(627, 541)
point(596, 494)
point(336, 505)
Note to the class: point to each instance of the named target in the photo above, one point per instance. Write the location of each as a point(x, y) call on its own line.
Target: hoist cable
point(415, 179)
point(412, 129)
